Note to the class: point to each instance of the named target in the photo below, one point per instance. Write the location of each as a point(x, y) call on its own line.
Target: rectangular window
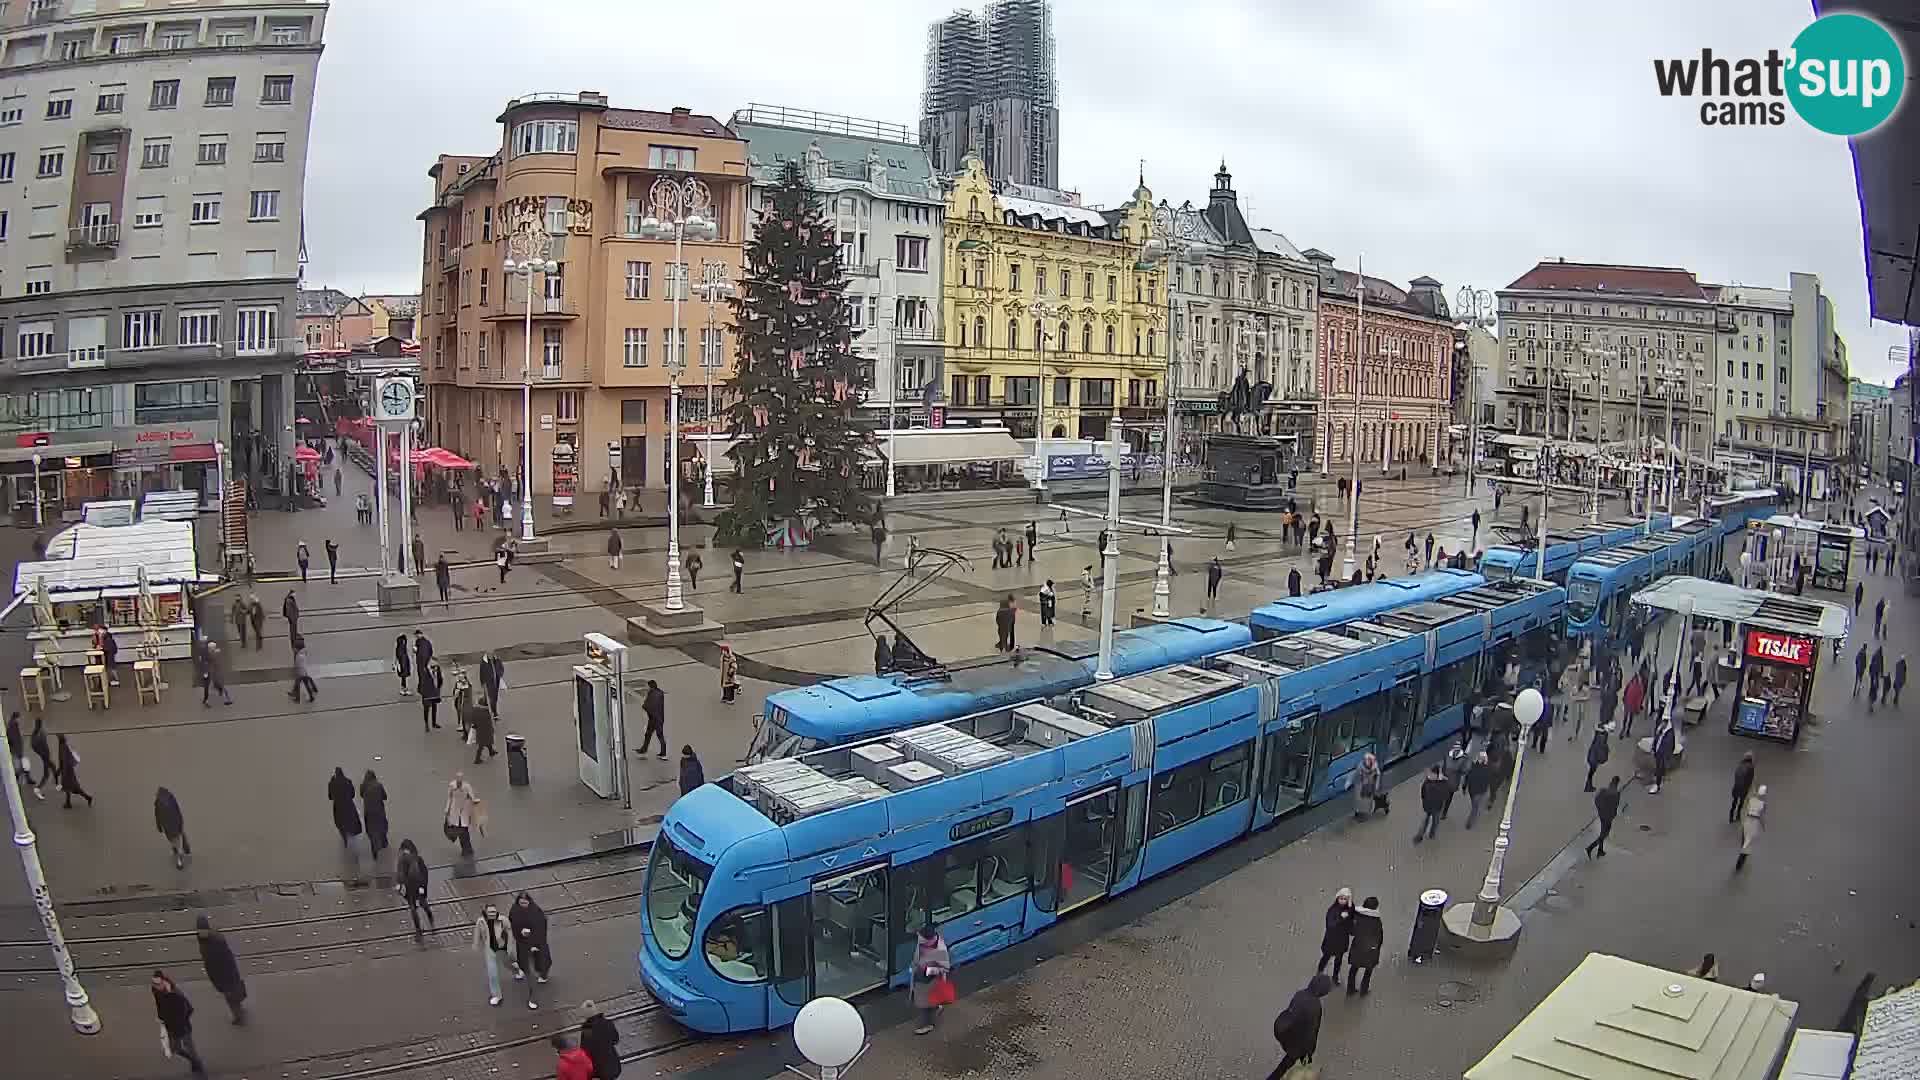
point(170, 40)
point(546, 137)
point(3, 224)
point(679, 158)
point(566, 406)
point(102, 160)
point(156, 153)
point(639, 282)
point(6, 166)
point(52, 163)
point(144, 329)
point(212, 150)
point(35, 340)
point(59, 108)
point(1096, 393)
point(39, 280)
point(220, 91)
point(271, 146)
point(286, 35)
point(276, 90)
point(550, 341)
point(206, 210)
point(633, 347)
point(1013, 277)
point(483, 286)
point(176, 402)
point(633, 412)
point(13, 110)
point(199, 328)
point(263, 206)
point(256, 329)
point(480, 350)
point(112, 100)
point(1113, 288)
point(166, 94)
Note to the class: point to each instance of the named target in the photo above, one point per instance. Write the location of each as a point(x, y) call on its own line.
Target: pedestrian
point(109, 648)
point(479, 724)
point(1502, 760)
point(1606, 806)
point(69, 773)
point(213, 674)
point(620, 500)
point(1859, 594)
point(1172, 570)
point(574, 1063)
point(1474, 537)
point(692, 564)
point(502, 561)
point(739, 570)
point(290, 611)
point(1454, 765)
point(373, 802)
point(302, 672)
point(173, 825)
point(430, 686)
point(1339, 932)
point(601, 1040)
point(223, 971)
point(410, 881)
point(493, 676)
point(729, 673)
point(419, 554)
point(463, 813)
point(1369, 796)
point(1033, 541)
point(37, 741)
point(1429, 555)
point(346, 818)
point(1003, 625)
point(1102, 547)
point(1634, 696)
point(176, 1022)
point(442, 577)
point(606, 501)
point(238, 614)
point(1537, 731)
point(491, 936)
point(479, 514)
point(1859, 668)
point(692, 775)
point(1297, 1028)
point(1598, 751)
point(1293, 581)
point(17, 751)
point(337, 482)
point(1433, 799)
point(531, 951)
point(882, 654)
point(1233, 532)
point(256, 615)
point(1049, 603)
point(931, 990)
point(613, 549)
point(655, 706)
point(879, 534)
point(1709, 968)
point(1086, 591)
point(1750, 824)
point(1573, 697)
point(422, 650)
point(1665, 739)
point(402, 661)
point(1880, 617)
point(1364, 954)
point(1214, 572)
point(1899, 678)
point(302, 556)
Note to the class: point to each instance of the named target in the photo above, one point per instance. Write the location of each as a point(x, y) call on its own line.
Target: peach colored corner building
point(578, 172)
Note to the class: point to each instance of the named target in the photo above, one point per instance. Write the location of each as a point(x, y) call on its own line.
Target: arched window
point(961, 329)
point(1109, 340)
point(973, 205)
point(1086, 337)
point(1039, 337)
point(979, 331)
point(1060, 343)
point(1013, 334)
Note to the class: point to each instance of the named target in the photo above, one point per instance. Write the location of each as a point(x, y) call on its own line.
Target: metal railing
point(98, 235)
point(832, 123)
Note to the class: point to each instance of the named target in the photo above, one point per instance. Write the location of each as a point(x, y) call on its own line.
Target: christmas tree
point(797, 453)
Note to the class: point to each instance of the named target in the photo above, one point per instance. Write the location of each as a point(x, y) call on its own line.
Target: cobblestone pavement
point(251, 776)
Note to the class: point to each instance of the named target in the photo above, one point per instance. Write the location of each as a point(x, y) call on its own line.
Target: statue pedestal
point(658, 626)
point(398, 592)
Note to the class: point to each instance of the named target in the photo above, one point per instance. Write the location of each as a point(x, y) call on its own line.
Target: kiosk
point(599, 718)
point(1776, 677)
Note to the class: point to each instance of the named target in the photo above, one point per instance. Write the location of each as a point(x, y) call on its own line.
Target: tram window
point(957, 889)
point(1226, 778)
point(1176, 797)
point(1347, 729)
point(737, 945)
point(792, 968)
point(675, 883)
point(1135, 799)
point(1451, 685)
point(1004, 868)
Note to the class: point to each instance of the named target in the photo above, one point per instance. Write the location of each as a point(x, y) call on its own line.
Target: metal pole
point(674, 601)
point(406, 494)
point(1041, 312)
point(1110, 555)
point(1163, 571)
point(380, 498)
point(1353, 436)
point(893, 399)
point(617, 707)
point(1488, 901)
point(707, 364)
point(39, 513)
point(79, 1010)
point(1546, 486)
point(526, 414)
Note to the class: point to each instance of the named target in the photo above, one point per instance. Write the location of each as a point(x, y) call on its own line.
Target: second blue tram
point(810, 876)
point(1601, 585)
point(1293, 614)
point(1566, 545)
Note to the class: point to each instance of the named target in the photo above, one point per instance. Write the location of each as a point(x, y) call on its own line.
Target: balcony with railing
point(910, 332)
point(94, 236)
point(513, 306)
point(862, 270)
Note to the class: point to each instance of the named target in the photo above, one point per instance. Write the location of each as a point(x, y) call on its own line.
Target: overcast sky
point(1463, 139)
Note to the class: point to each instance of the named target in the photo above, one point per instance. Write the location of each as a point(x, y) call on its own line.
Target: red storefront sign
point(1781, 648)
point(150, 436)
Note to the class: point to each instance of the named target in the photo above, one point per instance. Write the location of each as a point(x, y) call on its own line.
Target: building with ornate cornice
point(1049, 311)
point(1402, 342)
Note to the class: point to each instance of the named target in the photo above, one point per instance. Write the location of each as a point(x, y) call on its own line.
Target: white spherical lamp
point(829, 1032)
point(1528, 706)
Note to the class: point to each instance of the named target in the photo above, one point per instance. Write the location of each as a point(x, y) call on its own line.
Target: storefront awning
point(1750, 607)
point(950, 446)
point(50, 455)
point(1613, 1019)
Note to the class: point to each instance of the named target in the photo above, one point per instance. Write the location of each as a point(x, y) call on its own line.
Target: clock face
point(395, 398)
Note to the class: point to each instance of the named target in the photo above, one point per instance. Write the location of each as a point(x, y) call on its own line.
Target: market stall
point(134, 579)
point(1776, 679)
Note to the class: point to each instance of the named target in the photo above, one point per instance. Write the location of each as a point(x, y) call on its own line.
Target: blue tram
point(859, 706)
point(1293, 614)
point(809, 876)
point(1600, 585)
point(1737, 508)
point(1564, 546)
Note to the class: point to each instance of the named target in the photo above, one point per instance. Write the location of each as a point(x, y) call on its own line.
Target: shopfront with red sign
point(1776, 679)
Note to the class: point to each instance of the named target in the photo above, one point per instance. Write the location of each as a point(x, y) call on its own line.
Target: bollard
point(517, 761)
point(1426, 925)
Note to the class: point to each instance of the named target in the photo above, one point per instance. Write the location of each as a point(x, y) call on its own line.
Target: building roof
point(908, 169)
point(676, 122)
point(1562, 276)
point(1751, 296)
point(328, 302)
point(1889, 1036)
point(1052, 211)
point(1274, 243)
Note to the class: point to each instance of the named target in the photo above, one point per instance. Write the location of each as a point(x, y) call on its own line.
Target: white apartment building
point(1782, 403)
point(152, 163)
point(878, 186)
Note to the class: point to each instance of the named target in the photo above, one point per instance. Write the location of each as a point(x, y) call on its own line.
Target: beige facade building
point(578, 172)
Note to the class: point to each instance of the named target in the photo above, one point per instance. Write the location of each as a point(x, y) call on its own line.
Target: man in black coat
point(1293, 582)
point(223, 971)
point(1297, 1028)
point(1479, 781)
point(1363, 955)
point(479, 721)
point(176, 1021)
point(655, 706)
point(1214, 572)
point(1606, 805)
point(422, 651)
point(1742, 783)
point(601, 1040)
point(1433, 799)
point(493, 674)
point(692, 774)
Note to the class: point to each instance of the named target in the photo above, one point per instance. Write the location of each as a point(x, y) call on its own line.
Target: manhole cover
point(1455, 991)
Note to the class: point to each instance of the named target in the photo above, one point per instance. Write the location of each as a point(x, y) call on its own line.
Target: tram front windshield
point(675, 883)
point(773, 741)
point(1583, 595)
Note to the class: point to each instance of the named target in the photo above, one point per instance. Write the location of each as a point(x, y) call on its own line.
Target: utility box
point(593, 727)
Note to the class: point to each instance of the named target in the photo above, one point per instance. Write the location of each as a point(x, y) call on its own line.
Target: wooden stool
point(96, 677)
point(96, 657)
point(146, 680)
point(33, 688)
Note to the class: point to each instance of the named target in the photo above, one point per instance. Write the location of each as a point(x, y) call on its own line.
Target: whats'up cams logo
point(1844, 75)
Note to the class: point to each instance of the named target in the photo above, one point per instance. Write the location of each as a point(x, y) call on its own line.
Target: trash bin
point(1426, 925)
point(517, 760)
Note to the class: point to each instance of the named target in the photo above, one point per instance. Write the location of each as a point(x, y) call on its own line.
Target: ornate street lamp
point(714, 287)
point(1171, 241)
point(527, 249)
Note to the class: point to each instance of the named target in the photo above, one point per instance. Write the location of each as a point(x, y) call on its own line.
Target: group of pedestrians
point(1353, 935)
point(59, 762)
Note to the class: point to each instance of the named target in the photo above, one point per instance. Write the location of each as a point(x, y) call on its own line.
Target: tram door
point(1403, 719)
point(1286, 765)
point(1093, 824)
point(849, 916)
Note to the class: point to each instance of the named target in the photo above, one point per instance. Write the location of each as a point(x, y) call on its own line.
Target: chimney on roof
point(681, 112)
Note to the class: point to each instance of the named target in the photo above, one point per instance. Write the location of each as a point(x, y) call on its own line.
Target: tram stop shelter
point(1774, 653)
point(1613, 1019)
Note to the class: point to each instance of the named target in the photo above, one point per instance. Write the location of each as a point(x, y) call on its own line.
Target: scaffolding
point(990, 88)
point(1020, 78)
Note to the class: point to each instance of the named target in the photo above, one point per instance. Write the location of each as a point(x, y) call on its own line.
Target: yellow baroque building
point(1051, 311)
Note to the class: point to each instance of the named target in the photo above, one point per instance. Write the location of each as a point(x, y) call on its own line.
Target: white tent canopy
point(1705, 599)
point(911, 446)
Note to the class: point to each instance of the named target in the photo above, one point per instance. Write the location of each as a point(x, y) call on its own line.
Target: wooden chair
point(146, 680)
point(96, 678)
point(33, 688)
